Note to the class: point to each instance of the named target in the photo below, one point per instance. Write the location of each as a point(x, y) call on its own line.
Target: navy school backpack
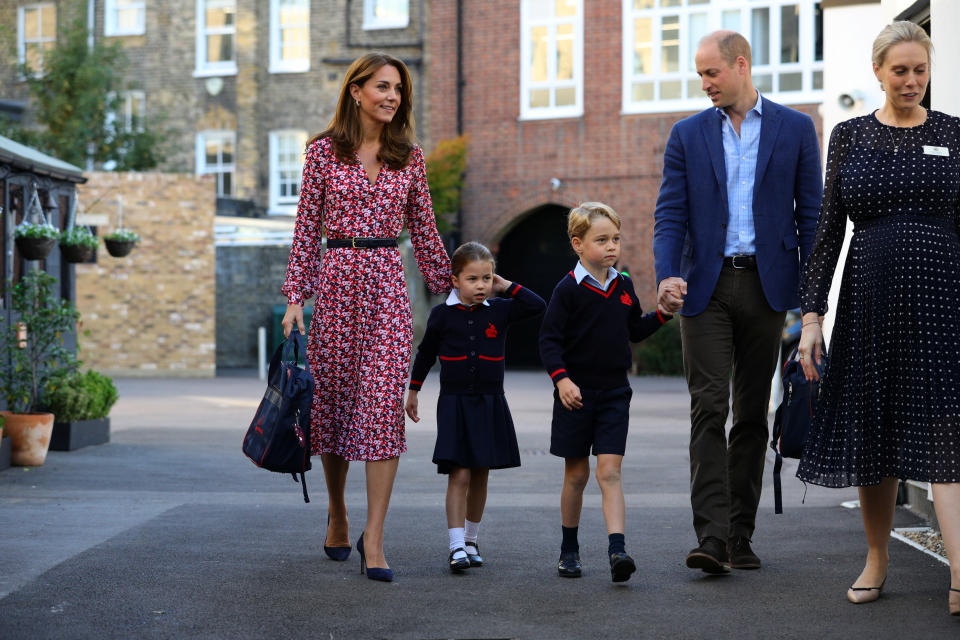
point(793, 418)
point(279, 435)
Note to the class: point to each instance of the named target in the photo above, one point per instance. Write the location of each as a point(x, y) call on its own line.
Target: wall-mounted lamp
point(848, 101)
point(555, 183)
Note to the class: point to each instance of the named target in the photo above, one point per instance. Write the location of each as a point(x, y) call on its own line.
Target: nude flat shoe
point(863, 595)
point(954, 602)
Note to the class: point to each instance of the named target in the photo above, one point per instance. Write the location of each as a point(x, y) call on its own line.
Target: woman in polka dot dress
point(890, 397)
point(363, 180)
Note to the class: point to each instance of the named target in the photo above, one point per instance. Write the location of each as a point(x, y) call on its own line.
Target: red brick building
point(572, 100)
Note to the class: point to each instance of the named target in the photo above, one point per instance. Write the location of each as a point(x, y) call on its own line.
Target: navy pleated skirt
point(475, 431)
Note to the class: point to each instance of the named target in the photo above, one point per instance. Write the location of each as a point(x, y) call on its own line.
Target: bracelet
point(805, 324)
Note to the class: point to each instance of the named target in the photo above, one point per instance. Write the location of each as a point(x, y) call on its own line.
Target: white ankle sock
point(456, 541)
point(470, 532)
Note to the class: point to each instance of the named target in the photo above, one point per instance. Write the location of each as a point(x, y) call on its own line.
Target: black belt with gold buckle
point(360, 243)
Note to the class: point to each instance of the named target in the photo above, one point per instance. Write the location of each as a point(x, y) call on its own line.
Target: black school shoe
point(476, 560)
point(458, 565)
point(621, 566)
point(741, 555)
point(710, 557)
point(569, 565)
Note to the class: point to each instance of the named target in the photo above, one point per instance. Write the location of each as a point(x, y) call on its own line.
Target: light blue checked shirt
point(740, 156)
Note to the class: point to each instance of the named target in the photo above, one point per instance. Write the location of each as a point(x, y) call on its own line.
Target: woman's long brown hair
point(345, 129)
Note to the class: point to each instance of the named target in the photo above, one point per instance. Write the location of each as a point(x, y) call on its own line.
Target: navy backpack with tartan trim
point(279, 435)
point(793, 418)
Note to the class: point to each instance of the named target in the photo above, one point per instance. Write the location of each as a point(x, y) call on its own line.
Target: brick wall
point(151, 313)
point(602, 155)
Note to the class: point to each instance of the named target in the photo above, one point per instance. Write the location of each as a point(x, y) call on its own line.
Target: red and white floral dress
point(361, 332)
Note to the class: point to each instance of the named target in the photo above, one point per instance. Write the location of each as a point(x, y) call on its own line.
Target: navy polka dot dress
point(890, 397)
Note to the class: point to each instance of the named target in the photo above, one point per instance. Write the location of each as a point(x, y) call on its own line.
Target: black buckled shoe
point(458, 565)
point(741, 555)
point(569, 565)
point(476, 560)
point(710, 557)
point(621, 566)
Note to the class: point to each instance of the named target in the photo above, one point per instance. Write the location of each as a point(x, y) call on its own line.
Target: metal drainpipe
point(91, 5)
point(460, 83)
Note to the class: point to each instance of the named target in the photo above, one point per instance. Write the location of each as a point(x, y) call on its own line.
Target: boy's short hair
point(581, 218)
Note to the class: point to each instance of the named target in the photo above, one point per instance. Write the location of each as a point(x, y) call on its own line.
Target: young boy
point(584, 343)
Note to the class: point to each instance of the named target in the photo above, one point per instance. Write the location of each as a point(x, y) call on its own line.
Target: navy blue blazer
point(690, 221)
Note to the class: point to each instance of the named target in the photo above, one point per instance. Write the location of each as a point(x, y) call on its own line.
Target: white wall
point(945, 16)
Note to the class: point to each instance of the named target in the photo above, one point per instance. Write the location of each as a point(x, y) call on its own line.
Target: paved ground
point(169, 531)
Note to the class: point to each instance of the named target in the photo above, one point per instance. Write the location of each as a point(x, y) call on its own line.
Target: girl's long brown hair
point(345, 129)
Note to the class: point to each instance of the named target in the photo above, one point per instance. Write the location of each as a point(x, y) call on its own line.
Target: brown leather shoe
point(710, 557)
point(741, 555)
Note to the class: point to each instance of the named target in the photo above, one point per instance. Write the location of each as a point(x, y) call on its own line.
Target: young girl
point(474, 428)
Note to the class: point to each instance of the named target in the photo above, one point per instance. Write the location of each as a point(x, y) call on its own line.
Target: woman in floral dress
point(363, 180)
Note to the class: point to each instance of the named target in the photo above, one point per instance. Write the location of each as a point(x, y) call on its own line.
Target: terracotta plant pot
point(30, 436)
point(76, 253)
point(118, 249)
point(35, 248)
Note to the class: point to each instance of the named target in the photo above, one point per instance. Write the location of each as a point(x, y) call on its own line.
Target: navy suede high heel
point(339, 554)
point(374, 573)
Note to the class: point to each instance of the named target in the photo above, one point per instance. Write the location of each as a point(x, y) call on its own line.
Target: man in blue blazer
point(735, 219)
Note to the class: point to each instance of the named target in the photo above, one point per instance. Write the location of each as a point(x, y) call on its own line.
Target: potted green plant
point(81, 403)
point(32, 349)
point(35, 241)
point(77, 244)
point(121, 242)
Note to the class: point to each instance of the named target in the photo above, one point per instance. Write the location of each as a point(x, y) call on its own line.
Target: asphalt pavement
point(170, 532)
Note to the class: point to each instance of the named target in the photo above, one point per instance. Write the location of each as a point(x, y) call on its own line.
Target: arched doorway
point(536, 253)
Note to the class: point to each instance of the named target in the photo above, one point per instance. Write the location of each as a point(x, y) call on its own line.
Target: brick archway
point(533, 250)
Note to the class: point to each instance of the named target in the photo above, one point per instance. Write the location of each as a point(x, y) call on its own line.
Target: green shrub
point(661, 353)
point(79, 236)
point(77, 396)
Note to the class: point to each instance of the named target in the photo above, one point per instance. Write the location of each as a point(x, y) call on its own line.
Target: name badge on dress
point(936, 151)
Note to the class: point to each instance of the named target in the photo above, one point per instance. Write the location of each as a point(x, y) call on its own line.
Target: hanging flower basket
point(75, 253)
point(35, 248)
point(119, 248)
point(121, 243)
point(77, 245)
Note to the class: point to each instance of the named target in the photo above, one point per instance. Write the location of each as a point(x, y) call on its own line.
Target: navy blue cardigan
point(470, 342)
point(586, 332)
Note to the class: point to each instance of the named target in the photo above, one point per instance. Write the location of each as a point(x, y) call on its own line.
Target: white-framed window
point(125, 17)
point(131, 106)
point(286, 167)
point(660, 39)
point(216, 155)
point(386, 14)
point(216, 38)
point(130, 110)
point(289, 35)
point(36, 33)
point(551, 59)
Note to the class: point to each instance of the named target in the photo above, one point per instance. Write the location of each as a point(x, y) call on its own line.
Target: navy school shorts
point(600, 424)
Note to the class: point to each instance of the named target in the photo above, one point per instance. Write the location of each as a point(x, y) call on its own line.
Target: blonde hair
point(581, 218)
point(895, 33)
